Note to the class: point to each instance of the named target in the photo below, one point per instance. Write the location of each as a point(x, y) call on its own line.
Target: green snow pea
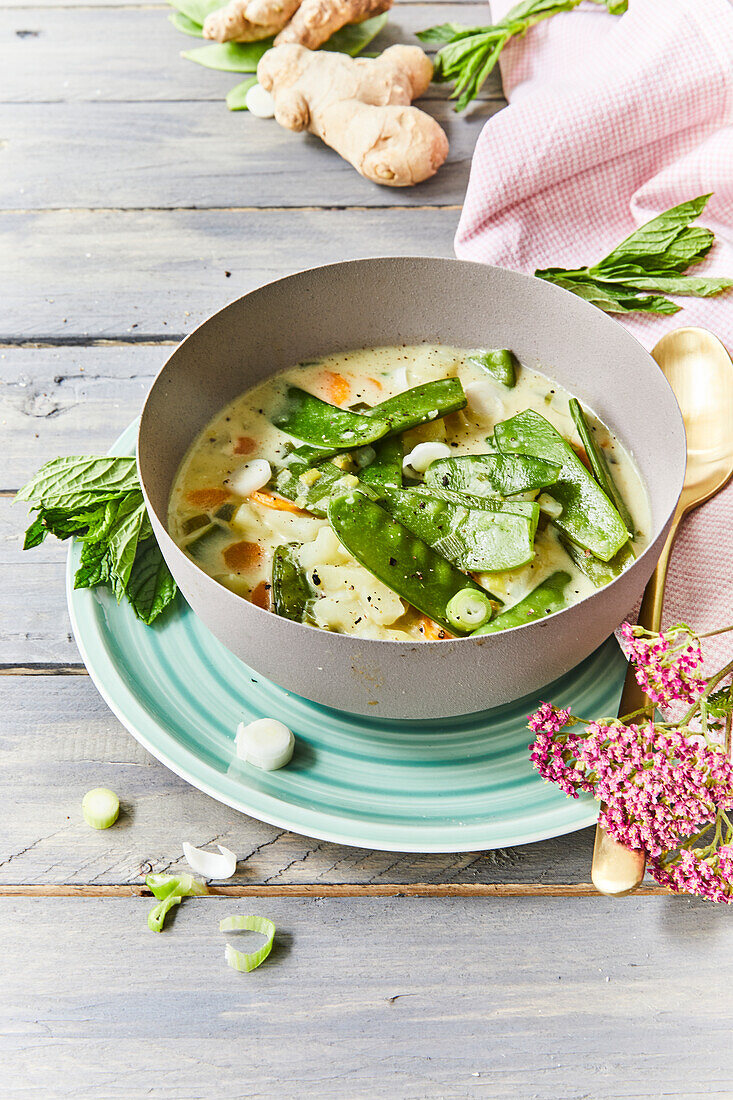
point(528, 508)
point(311, 494)
point(290, 590)
point(500, 363)
point(600, 466)
point(489, 540)
point(421, 404)
point(546, 598)
point(394, 555)
point(491, 475)
point(326, 426)
point(600, 572)
point(587, 517)
point(386, 469)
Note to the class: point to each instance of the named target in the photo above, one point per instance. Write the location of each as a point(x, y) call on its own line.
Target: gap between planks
point(317, 890)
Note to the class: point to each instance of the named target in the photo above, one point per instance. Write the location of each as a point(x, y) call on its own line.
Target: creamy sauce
point(347, 598)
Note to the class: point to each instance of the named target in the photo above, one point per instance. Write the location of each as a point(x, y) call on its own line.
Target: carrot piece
point(207, 498)
point(261, 596)
point(339, 390)
point(279, 504)
point(242, 556)
point(245, 445)
point(377, 383)
point(431, 630)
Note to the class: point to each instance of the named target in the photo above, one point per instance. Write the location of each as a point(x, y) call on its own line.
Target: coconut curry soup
point(406, 493)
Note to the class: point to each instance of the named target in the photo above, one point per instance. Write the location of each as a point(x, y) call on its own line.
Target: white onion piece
point(259, 102)
point(209, 864)
point(483, 401)
point(550, 506)
point(423, 454)
point(266, 743)
point(249, 477)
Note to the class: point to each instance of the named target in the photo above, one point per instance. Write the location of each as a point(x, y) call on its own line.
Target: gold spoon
point(700, 372)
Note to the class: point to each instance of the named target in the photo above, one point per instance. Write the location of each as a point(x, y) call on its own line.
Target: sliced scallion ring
point(100, 807)
point(242, 960)
point(157, 915)
point(468, 609)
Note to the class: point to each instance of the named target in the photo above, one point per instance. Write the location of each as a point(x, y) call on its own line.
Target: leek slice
point(100, 807)
point(242, 960)
point(170, 890)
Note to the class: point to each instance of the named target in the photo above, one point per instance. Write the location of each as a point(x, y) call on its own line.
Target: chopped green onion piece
point(100, 808)
point(184, 885)
point(241, 960)
point(169, 890)
point(156, 916)
point(468, 610)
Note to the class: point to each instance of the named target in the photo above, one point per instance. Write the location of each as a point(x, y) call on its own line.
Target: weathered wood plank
point(59, 740)
point(72, 400)
point(115, 53)
point(370, 998)
point(247, 161)
point(121, 274)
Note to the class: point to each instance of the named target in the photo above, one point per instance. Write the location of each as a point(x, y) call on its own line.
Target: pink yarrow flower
point(700, 871)
point(667, 665)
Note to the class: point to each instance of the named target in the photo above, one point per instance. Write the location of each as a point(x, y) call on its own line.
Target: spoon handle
point(617, 870)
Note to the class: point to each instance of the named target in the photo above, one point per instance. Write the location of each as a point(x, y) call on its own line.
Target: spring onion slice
point(242, 960)
point(468, 610)
point(210, 864)
point(169, 890)
point(157, 915)
point(100, 808)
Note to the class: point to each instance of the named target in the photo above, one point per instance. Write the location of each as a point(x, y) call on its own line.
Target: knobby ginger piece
point(361, 107)
point(316, 20)
point(249, 20)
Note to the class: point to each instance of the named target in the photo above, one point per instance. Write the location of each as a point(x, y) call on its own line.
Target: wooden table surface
point(133, 204)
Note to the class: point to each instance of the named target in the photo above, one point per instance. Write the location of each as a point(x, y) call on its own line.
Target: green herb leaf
point(93, 566)
point(719, 703)
point(652, 258)
point(76, 482)
point(122, 541)
point(237, 97)
point(151, 587)
point(35, 534)
point(469, 54)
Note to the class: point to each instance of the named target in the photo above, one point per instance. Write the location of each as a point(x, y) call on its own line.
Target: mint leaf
point(35, 534)
point(653, 258)
point(75, 482)
point(93, 566)
point(151, 587)
point(122, 541)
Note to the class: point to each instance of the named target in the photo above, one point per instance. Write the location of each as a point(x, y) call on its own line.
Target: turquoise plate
point(451, 785)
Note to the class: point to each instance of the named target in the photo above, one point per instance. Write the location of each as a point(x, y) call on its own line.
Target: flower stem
point(712, 683)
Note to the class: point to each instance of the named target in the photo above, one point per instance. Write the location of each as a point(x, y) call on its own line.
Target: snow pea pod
point(290, 590)
point(311, 488)
point(489, 540)
point(599, 465)
point(599, 572)
point(500, 363)
point(491, 475)
point(394, 555)
point(386, 469)
point(588, 517)
point(326, 426)
point(421, 404)
point(545, 599)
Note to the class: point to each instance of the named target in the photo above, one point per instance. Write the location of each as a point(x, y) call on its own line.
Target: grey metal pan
point(364, 303)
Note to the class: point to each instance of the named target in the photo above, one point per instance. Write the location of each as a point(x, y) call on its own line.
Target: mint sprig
point(653, 258)
point(99, 501)
point(468, 54)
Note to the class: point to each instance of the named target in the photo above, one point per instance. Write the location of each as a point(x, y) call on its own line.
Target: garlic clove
point(422, 455)
point(259, 102)
point(249, 477)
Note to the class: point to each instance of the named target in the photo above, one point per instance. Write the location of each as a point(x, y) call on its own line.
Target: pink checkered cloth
point(613, 119)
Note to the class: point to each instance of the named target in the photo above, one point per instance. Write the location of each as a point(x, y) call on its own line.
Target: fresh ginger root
point(316, 20)
point(249, 20)
point(360, 107)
